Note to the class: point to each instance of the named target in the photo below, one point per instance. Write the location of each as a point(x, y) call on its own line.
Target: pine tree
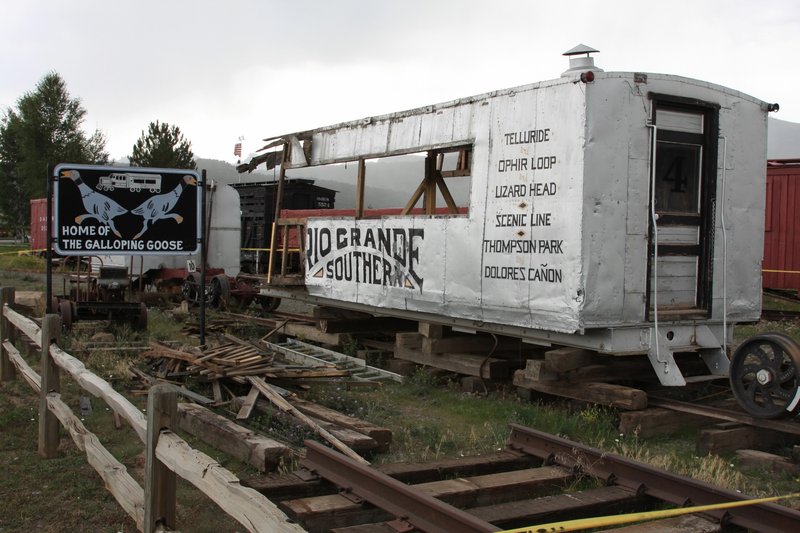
point(44, 129)
point(163, 146)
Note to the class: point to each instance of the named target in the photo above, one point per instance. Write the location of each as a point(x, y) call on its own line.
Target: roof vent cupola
point(580, 60)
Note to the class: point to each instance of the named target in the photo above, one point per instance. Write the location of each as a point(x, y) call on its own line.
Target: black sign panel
point(126, 211)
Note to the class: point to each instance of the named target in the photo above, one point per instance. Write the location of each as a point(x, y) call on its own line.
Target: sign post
point(126, 211)
point(103, 210)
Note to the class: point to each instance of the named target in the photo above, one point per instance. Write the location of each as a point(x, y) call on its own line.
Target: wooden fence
point(166, 454)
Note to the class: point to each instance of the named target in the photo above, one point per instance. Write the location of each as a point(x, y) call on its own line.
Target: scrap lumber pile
point(231, 358)
point(233, 366)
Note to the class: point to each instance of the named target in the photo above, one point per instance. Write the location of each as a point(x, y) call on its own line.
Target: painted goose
point(158, 207)
point(97, 206)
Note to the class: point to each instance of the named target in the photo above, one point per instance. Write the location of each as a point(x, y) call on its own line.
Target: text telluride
point(527, 137)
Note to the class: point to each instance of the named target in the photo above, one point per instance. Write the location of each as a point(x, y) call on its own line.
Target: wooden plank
point(497, 487)
point(381, 527)
point(469, 344)
point(431, 331)
point(408, 340)
point(27, 326)
point(538, 370)
point(291, 486)
point(382, 324)
point(467, 364)
point(564, 359)
point(248, 404)
point(581, 504)
point(727, 439)
point(28, 374)
point(358, 442)
point(430, 184)
point(414, 198)
point(322, 513)
point(311, 333)
point(128, 493)
point(245, 505)
point(766, 461)
point(217, 391)
point(100, 388)
point(566, 506)
point(360, 183)
point(7, 372)
point(160, 483)
point(249, 447)
point(352, 439)
point(285, 406)
point(321, 312)
point(51, 382)
point(382, 436)
point(657, 421)
point(629, 368)
point(600, 393)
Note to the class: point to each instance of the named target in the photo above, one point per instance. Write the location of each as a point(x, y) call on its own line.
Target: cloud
point(258, 68)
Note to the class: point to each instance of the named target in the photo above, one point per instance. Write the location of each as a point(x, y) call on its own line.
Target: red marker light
point(587, 77)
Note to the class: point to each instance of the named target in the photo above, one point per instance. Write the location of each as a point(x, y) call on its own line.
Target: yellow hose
point(615, 520)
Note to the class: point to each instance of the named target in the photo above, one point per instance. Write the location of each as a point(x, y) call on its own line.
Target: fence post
point(7, 370)
point(159, 481)
point(51, 382)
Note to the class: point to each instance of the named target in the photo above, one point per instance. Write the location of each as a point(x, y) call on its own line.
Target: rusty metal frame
point(679, 490)
point(403, 501)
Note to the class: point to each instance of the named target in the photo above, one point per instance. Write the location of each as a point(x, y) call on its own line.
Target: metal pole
point(48, 254)
point(202, 288)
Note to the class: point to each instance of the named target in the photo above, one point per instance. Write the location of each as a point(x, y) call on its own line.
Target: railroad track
point(521, 486)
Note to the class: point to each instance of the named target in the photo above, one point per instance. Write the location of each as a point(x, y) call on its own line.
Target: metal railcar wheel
point(764, 375)
point(268, 303)
point(140, 319)
point(220, 291)
point(192, 288)
point(66, 312)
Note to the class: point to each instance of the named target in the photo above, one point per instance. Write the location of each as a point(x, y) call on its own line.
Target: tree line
point(45, 128)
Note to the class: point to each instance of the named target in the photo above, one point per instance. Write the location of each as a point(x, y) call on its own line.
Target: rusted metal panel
point(781, 267)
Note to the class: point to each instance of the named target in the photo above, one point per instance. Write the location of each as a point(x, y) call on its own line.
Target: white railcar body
point(625, 215)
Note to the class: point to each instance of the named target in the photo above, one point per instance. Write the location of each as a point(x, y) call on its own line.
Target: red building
point(781, 267)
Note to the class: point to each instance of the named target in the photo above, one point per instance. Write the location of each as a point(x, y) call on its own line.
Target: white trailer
point(621, 212)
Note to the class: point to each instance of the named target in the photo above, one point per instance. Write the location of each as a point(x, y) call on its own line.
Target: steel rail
point(672, 488)
point(403, 501)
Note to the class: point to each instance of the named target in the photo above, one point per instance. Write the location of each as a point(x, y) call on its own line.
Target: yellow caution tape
point(24, 252)
point(781, 271)
point(615, 520)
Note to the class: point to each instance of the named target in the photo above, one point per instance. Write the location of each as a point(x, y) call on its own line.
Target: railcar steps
point(299, 352)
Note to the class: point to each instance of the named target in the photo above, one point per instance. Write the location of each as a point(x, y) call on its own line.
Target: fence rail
point(167, 454)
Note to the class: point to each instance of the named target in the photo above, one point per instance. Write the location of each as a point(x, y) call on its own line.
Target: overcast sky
point(221, 70)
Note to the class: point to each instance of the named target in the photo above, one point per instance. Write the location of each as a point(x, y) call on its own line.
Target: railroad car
point(781, 268)
point(621, 212)
point(257, 201)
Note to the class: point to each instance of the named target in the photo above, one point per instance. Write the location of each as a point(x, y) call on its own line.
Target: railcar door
point(682, 200)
